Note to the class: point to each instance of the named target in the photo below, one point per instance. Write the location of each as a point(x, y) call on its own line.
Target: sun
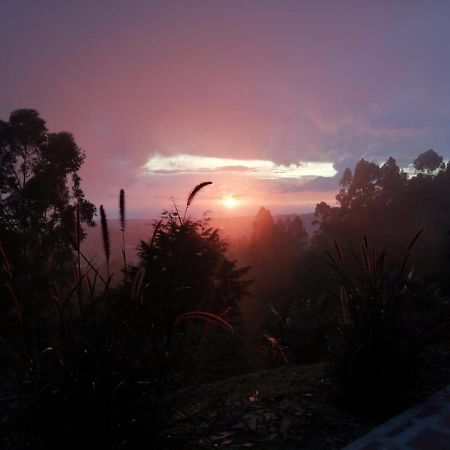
point(230, 202)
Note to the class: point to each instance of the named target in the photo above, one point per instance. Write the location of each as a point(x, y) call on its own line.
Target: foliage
point(275, 252)
point(39, 194)
point(381, 326)
point(428, 161)
point(105, 374)
point(103, 366)
point(303, 333)
point(186, 268)
point(386, 204)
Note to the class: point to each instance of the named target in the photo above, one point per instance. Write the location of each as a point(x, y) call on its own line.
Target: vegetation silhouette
point(97, 363)
point(40, 194)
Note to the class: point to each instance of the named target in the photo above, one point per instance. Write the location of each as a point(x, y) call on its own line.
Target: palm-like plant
point(378, 346)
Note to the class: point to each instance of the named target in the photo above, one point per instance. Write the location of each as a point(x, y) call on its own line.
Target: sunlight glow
point(230, 202)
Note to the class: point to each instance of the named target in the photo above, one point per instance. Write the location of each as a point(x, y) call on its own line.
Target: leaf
point(155, 232)
point(414, 239)
point(15, 300)
point(224, 435)
point(209, 317)
point(5, 262)
point(136, 286)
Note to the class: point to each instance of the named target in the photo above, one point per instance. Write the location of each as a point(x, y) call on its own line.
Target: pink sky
point(287, 82)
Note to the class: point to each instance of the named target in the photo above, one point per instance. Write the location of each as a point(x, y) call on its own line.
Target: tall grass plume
point(122, 229)
point(105, 237)
point(194, 193)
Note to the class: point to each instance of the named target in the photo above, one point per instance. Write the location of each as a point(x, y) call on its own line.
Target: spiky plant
point(8, 283)
point(122, 229)
point(379, 328)
point(78, 232)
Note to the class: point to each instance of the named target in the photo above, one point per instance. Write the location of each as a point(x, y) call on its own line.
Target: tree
point(274, 254)
point(428, 161)
point(388, 206)
point(263, 226)
point(186, 269)
point(40, 193)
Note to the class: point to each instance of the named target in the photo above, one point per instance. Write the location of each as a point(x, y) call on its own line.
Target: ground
point(286, 408)
point(289, 407)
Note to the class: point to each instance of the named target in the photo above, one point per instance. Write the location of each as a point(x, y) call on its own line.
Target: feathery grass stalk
point(15, 301)
point(54, 298)
point(105, 237)
point(5, 262)
point(193, 194)
point(122, 229)
point(6, 265)
point(136, 286)
point(177, 212)
point(78, 243)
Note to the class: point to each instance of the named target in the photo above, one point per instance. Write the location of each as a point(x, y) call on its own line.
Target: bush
point(381, 326)
point(103, 368)
point(301, 333)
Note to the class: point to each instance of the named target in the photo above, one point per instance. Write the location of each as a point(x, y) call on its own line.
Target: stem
point(124, 258)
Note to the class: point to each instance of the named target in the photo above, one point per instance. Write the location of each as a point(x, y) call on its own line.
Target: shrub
point(380, 326)
point(104, 369)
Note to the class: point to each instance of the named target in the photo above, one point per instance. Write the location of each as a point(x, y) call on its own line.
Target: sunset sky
point(270, 100)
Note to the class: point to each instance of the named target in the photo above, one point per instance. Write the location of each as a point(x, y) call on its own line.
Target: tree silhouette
point(187, 269)
point(428, 161)
point(274, 254)
point(39, 193)
point(387, 205)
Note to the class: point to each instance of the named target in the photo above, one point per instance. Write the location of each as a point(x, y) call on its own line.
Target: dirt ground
point(287, 408)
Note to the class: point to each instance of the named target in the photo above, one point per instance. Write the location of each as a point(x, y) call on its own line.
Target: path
point(424, 427)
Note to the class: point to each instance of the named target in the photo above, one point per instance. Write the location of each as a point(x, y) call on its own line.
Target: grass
point(287, 408)
point(101, 372)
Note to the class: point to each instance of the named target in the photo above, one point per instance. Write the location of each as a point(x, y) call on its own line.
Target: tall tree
point(39, 193)
point(428, 161)
point(274, 254)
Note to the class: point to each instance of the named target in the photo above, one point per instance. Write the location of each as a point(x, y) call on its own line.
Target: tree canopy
point(187, 268)
point(390, 205)
point(40, 191)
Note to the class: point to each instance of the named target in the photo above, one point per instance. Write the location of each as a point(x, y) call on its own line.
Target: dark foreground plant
point(105, 374)
point(380, 326)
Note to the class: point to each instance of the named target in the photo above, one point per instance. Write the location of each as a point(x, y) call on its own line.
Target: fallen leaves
point(265, 419)
point(282, 412)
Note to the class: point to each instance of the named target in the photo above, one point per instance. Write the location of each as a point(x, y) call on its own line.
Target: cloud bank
point(258, 168)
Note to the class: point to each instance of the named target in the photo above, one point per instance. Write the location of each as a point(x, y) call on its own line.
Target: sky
point(269, 100)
